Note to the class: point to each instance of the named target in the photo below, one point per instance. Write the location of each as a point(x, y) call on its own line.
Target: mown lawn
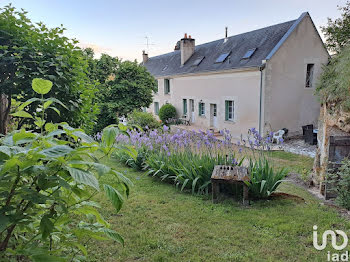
point(159, 223)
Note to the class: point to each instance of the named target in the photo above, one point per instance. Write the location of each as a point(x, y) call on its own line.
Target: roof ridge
point(221, 39)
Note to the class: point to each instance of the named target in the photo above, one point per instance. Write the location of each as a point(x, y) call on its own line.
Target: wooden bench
point(230, 175)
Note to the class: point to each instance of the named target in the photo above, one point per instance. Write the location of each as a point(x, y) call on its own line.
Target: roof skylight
point(198, 61)
point(249, 53)
point(165, 68)
point(222, 57)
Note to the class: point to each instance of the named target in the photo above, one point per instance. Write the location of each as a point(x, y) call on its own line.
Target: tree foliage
point(337, 32)
point(334, 83)
point(28, 51)
point(124, 86)
point(47, 182)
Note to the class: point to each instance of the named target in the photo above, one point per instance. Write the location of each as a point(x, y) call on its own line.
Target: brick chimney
point(144, 57)
point(187, 45)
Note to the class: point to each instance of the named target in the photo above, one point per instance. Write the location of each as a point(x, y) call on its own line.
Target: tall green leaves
point(264, 180)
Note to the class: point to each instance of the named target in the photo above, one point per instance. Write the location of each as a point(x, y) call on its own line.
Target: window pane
point(309, 75)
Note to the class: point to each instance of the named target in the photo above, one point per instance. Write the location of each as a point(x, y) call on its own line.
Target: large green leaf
point(83, 136)
point(83, 177)
point(115, 197)
point(56, 151)
point(23, 135)
point(41, 86)
point(5, 150)
point(113, 235)
point(109, 135)
point(46, 226)
point(27, 103)
point(22, 114)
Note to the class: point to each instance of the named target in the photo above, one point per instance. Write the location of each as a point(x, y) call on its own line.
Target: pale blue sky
point(119, 27)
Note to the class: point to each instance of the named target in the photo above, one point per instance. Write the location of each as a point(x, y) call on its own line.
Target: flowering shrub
point(186, 158)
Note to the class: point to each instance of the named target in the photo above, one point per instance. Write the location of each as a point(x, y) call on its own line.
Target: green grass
point(159, 223)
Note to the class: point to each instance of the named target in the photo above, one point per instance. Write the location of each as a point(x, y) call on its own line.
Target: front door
point(213, 115)
point(192, 110)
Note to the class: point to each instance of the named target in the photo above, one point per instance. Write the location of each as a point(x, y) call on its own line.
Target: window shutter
point(226, 110)
point(199, 108)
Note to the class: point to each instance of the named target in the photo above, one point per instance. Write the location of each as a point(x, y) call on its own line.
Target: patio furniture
point(308, 133)
point(229, 175)
point(185, 120)
point(278, 136)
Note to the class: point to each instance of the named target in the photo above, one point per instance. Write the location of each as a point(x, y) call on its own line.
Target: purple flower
point(165, 128)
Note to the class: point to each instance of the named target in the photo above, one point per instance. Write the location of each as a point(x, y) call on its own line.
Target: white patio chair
point(277, 136)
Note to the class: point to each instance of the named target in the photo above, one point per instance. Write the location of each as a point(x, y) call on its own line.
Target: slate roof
point(265, 40)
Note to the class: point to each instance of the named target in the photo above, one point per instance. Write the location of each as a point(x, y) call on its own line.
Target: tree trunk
point(5, 105)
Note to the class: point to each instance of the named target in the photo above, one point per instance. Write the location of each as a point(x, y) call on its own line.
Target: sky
point(120, 28)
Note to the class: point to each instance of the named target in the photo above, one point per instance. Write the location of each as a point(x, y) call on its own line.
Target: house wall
point(242, 87)
point(287, 102)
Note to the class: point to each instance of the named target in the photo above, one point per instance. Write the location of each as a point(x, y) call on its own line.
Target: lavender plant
point(187, 158)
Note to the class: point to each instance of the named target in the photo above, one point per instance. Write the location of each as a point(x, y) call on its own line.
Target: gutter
point(261, 68)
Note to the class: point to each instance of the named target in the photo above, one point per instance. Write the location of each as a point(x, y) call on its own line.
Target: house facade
point(264, 79)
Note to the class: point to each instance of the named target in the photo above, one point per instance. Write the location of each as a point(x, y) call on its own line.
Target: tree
point(333, 85)
point(337, 32)
point(131, 87)
point(29, 51)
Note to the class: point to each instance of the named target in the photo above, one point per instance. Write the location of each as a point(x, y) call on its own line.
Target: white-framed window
point(229, 110)
point(309, 75)
point(201, 109)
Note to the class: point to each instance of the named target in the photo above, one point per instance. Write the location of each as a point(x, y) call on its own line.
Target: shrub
point(143, 119)
point(264, 180)
point(341, 183)
point(47, 182)
point(166, 112)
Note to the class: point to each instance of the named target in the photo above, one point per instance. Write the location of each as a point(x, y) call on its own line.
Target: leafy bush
point(264, 180)
point(143, 119)
point(32, 50)
point(47, 181)
point(166, 112)
point(341, 182)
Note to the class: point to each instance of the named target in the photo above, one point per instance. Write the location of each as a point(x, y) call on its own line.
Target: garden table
point(229, 175)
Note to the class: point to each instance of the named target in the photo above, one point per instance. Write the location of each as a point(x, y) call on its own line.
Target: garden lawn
point(159, 223)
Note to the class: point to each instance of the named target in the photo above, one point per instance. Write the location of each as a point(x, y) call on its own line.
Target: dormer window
point(222, 57)
point(198, 61)
point(249, 53)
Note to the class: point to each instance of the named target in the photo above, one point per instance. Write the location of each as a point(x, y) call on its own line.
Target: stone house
point(263, 79)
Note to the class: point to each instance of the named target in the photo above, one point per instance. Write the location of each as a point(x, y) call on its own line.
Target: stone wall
point(330, 124)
